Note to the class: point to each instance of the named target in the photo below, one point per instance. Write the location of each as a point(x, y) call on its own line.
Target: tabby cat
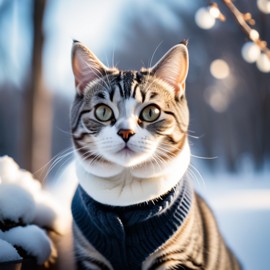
point(134, 207)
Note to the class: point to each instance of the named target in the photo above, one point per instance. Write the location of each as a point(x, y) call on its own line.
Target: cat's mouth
point(125, 150)
point(127, 156)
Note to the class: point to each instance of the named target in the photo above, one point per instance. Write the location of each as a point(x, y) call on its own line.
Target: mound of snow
point(16, 204)
point(23, 201)
point(33, 240)
point(8, 252)
point(10, 173)
point(8, 169)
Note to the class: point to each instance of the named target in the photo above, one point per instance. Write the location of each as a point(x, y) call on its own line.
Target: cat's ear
point(85, 65)
point(173, 68)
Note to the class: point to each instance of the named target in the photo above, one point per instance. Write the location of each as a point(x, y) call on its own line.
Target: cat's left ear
point(173, 68)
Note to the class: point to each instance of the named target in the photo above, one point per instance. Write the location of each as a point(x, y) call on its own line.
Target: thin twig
point(242, 20)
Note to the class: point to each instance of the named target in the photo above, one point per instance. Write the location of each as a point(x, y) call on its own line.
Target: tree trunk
point(37, 145)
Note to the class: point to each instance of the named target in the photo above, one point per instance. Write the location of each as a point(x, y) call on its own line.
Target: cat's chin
point(127, 158)
point(115, 164)
point(100, 169)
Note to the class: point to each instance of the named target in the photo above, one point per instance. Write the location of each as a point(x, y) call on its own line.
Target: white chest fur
point(134, 185)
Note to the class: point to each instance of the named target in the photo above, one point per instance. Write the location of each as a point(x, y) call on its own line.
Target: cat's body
point(134, 207)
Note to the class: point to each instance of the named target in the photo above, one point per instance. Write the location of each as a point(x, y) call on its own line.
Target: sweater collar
point(127, 235)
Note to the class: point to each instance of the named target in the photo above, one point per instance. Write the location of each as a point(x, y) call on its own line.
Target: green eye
point(103, 113)
point(150, 113)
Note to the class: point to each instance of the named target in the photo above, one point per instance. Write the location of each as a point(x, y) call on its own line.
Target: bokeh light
point(264, 6)
point(219, 69)
point(250, 52)
point(204, 19)
point(263, 63)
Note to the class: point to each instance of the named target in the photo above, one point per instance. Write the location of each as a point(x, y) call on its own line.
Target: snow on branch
point(27, 213)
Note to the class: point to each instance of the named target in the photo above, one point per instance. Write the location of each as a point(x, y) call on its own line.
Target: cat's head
point(129, 119)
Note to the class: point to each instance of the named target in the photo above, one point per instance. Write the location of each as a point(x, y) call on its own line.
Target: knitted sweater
point(126, 236)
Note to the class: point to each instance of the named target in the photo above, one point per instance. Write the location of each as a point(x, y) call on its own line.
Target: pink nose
point(125, 134)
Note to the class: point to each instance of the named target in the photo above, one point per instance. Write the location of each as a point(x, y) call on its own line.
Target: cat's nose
point(125, 134)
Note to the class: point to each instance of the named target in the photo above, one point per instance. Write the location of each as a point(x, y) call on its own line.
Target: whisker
point(64, 156)
point(65, 131)
point(206, 158)
point(158, 161)
point(152, 57)
point(194, 137)
point(114, 65)
point(52, 160)
point(100, 75)
point(196, 171)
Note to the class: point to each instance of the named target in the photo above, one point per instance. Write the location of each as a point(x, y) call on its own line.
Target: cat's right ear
point(85, 65)
point(173, 68)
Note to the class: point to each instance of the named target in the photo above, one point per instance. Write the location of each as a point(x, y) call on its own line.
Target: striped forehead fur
point(128, 83)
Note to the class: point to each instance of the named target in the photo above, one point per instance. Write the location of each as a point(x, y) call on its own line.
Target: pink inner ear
point(170, 72)
point(80, 75)
point(86, 67)
point(173, 68)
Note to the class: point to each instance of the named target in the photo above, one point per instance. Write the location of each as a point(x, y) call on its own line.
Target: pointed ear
point(85, 65)
point(173, 68)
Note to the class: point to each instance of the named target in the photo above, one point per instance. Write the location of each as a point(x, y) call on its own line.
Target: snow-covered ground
point(242, 207)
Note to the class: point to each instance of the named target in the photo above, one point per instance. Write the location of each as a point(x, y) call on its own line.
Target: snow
point(16, 204)
point(23, 201)
point(8, 252)
point(33, 240)
point(241, 204)
point(8, 169)
point(11, 173)
point(22, 198)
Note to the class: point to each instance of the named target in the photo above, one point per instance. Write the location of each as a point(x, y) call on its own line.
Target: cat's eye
point(150, 113)
point(103, 113)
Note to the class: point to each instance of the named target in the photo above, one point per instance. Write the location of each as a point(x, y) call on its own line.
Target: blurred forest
point(230, 117)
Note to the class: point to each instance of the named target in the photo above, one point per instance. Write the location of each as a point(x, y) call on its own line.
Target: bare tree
point(37, 103)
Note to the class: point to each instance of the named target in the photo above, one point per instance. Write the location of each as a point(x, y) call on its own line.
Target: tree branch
point(244, 20)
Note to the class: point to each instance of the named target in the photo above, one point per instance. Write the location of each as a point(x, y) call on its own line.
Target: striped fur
point(196, 245)
point(130, 134)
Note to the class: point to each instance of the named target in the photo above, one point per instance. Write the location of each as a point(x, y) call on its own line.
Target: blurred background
point(228, 97)
point(228, 90)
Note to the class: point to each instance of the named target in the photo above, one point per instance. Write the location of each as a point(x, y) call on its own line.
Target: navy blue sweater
point(126, 236)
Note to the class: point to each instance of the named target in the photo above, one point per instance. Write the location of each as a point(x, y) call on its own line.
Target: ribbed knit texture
point(126, 236)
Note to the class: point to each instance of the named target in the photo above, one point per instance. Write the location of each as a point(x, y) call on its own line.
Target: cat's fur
point(134, 207)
